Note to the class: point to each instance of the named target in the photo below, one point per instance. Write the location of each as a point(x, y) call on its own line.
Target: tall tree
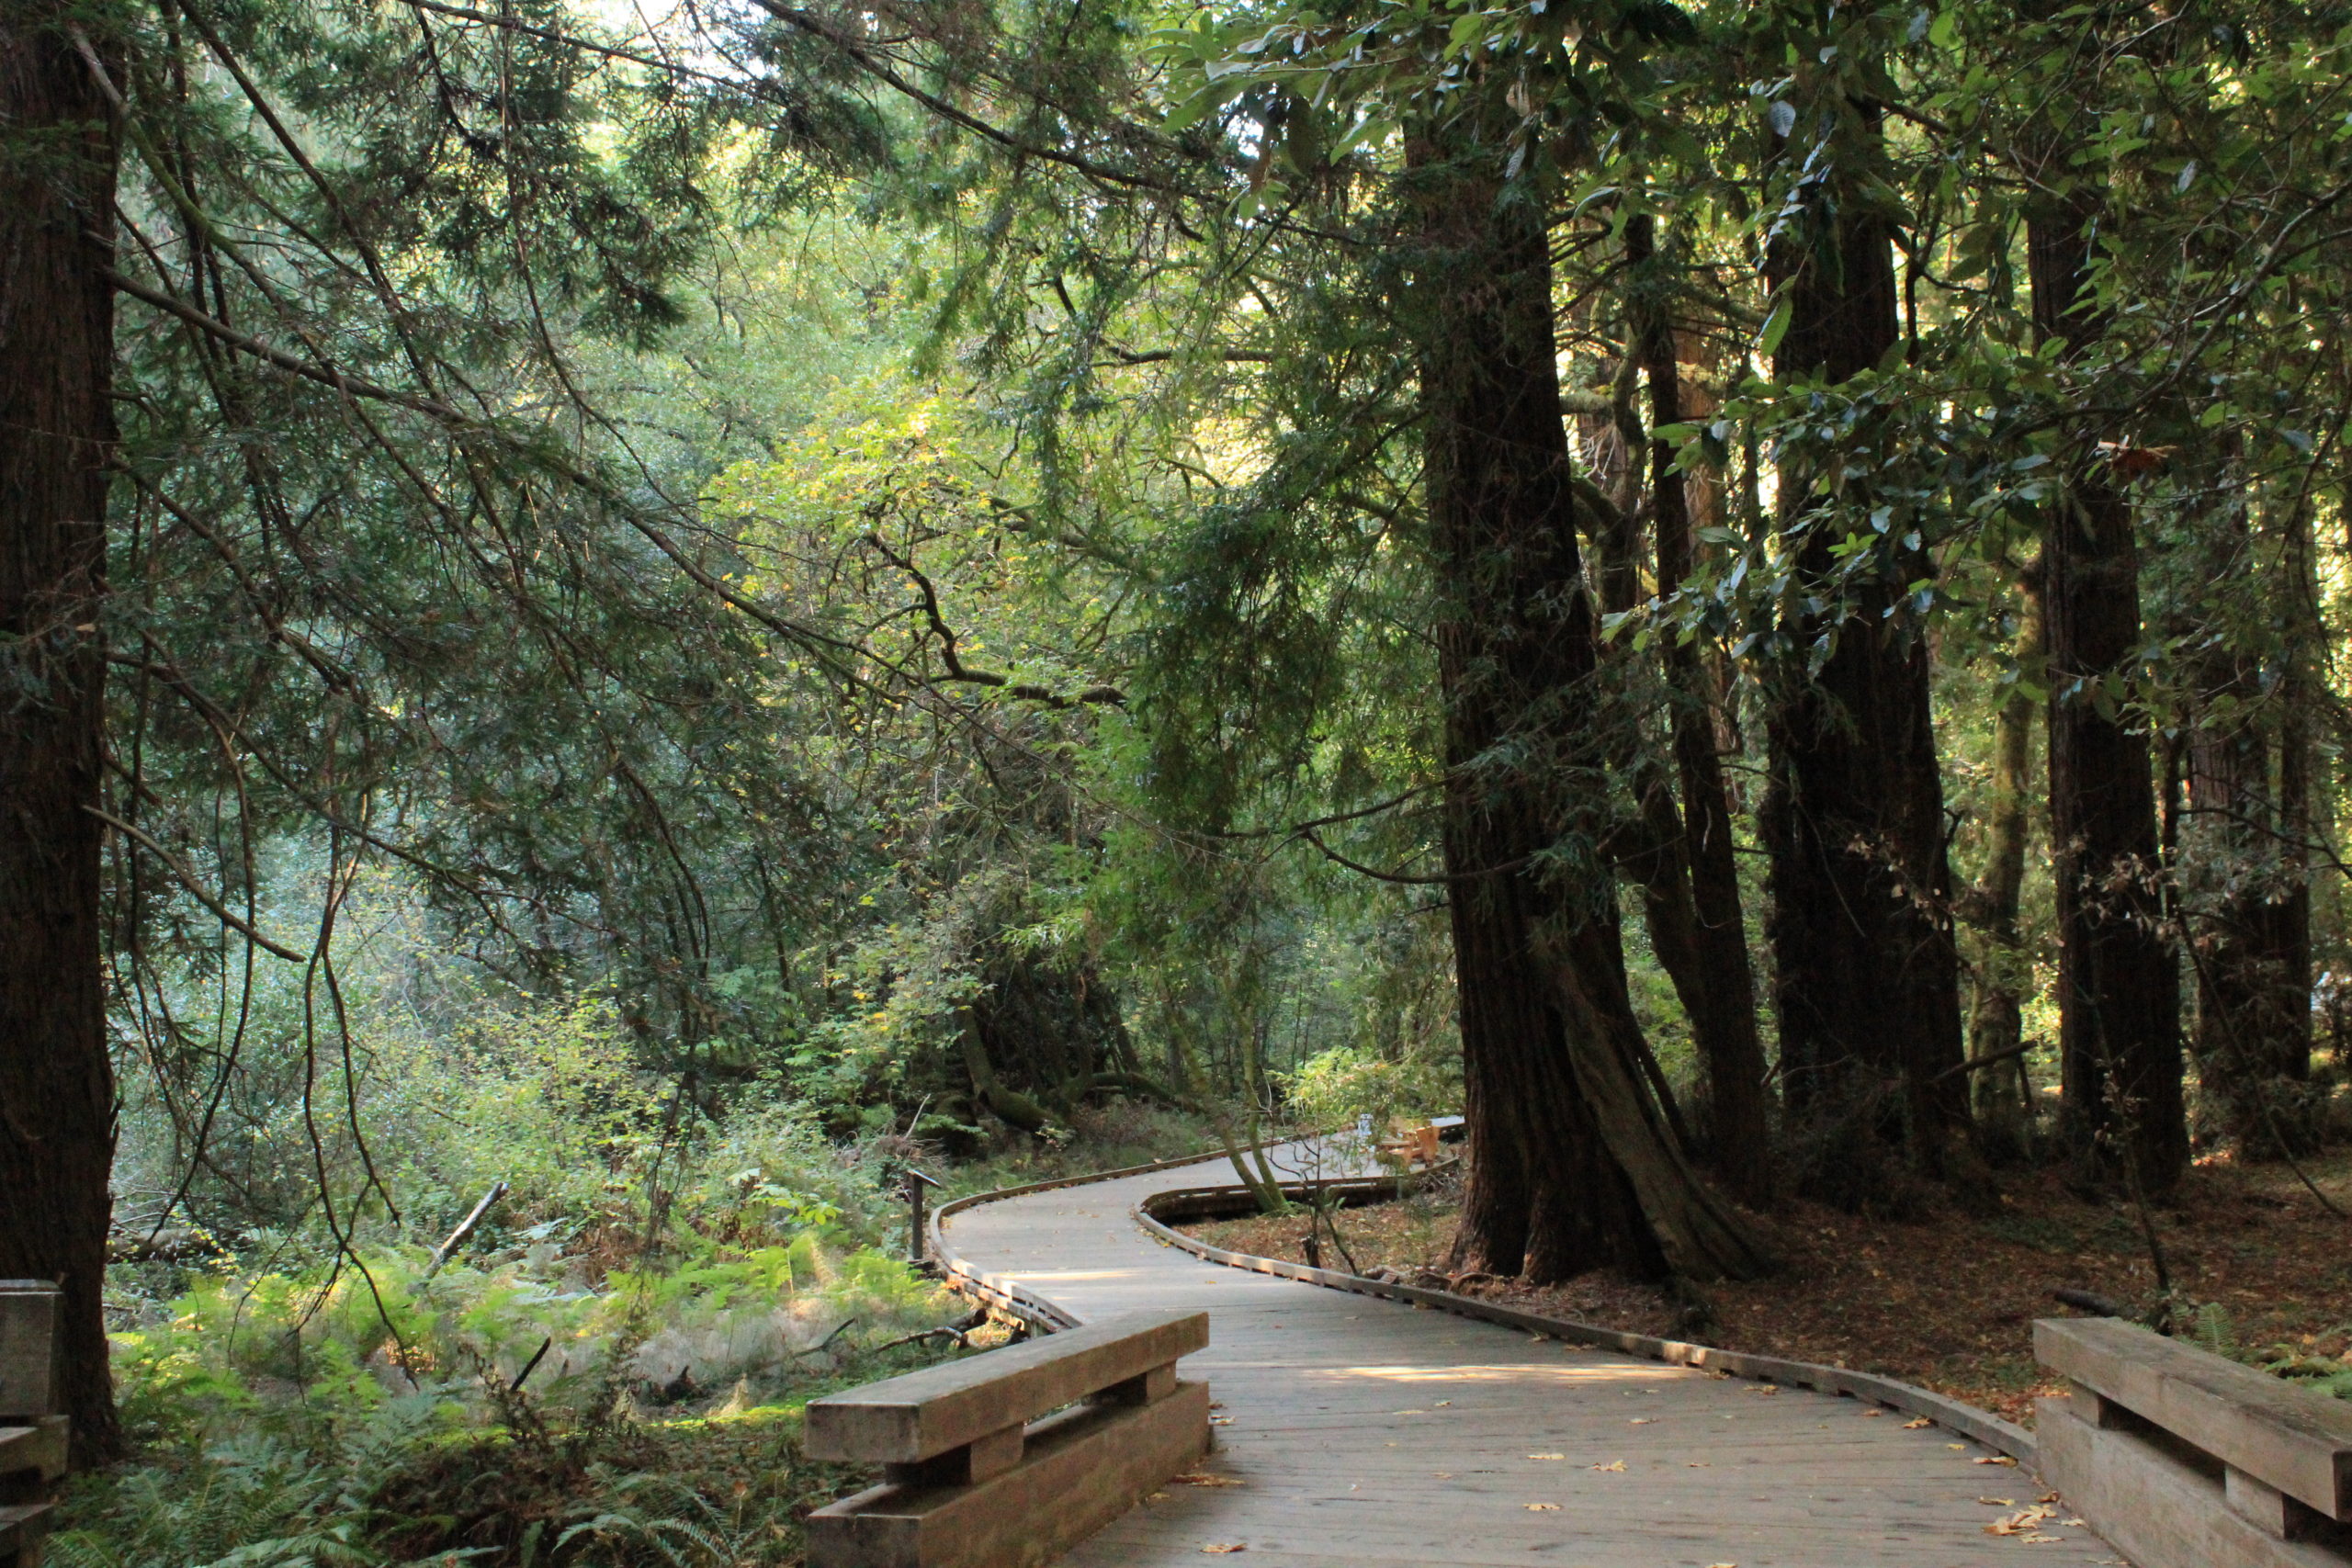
point(1576, 1167)
point(57, 187)
point(1735, 1111)
point(2244, 891)
point(2002, 972)
point(1867, 981)
point(2119, 986)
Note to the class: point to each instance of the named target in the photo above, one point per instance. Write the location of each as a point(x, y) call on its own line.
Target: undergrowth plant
point(589, 1379)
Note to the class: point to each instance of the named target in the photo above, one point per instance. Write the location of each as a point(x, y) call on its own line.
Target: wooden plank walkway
point(1362, 1432)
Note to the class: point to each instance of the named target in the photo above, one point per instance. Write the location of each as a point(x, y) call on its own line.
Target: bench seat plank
point(2289, 1438)
point(906, 1421)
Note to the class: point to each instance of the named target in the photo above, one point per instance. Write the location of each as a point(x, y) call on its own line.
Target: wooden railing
point(1008, 1459)
point(32, 1433)
point(2184, 1460)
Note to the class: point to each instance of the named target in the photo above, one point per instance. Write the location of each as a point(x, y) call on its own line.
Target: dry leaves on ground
point(2025, 1525)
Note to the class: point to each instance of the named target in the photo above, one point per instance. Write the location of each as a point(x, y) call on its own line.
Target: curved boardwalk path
point(1363, 1432)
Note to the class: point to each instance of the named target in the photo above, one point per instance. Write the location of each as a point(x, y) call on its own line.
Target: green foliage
point(1329, 1092)
point(2215, 1331)
point(309, 1416)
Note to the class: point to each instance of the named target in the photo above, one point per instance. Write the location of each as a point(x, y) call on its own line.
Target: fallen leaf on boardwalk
point(2047, 1498)
point(2077, 1524)
point(1440, 1404)
point(1409, 1413)
point(1216, 1550)
point(1543, 1507)
point(1155, 1496)
point(1443, 1474)
point(1915, 1426)
point(1612, 1464)
point(1641, 1420)
point(1999, 1502)
point(1766, 1388)
point(1216, 1405)
point(2042, 1540)
point(1994, 1459)
point(1698, 1464)
point(1868, 1414)
point(2025, 1522)
point(1220, 1421)
point(1202, 1478)
point(1722, 1566)
point(1547, 1456)
point(1961, 1446)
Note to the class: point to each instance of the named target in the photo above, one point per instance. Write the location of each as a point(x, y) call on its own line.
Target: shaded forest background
point(683, 610)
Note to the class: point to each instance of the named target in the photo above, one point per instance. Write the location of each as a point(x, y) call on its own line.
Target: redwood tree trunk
point(1735, 1119)
point(2119, 982)
point(1996, 1015)
point(1867, 975)
point(2248, 905)
point(1544, 1197)
point(1572, 1166)
point(56, 426)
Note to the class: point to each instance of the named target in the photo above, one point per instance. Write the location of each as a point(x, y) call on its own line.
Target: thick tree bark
point(1650, 846)
point(2118, 983)
point(1572, 1166)
point(2248, 905)
point(56, 429)
point(1867, 973)
point(1734, 1113)
point(1996, 1017)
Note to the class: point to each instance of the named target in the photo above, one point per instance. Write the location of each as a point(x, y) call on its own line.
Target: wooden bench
point(2184, 1460)
point(1008, 1459)
point(33, 1434)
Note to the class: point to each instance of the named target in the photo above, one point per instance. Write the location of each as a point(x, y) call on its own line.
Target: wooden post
point(917, 1249)
point(32, 1433)
point(29, 1346)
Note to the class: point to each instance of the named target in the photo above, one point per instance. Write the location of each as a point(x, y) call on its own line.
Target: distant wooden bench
point(33, 1434)
point(1008, 1459)
point(2184, 1460)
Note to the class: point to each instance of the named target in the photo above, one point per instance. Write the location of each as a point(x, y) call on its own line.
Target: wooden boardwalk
point(1362, 1432)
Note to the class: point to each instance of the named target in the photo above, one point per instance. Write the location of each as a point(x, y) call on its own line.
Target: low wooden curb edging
point(1038, 1312)
point(1982, 1426)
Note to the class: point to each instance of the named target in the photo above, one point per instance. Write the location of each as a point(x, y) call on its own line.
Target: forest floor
point(2262, 1269)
